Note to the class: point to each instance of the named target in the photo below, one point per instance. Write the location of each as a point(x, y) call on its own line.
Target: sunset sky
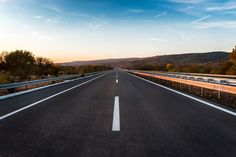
point(68, 30)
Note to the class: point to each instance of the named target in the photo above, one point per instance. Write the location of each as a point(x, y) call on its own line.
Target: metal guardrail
point(217, 87)
point(210, 78)
point(194, 74)
point(35, 82)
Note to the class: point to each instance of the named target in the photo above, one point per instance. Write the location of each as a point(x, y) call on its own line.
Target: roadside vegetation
point(21, 65)
point(227, 67)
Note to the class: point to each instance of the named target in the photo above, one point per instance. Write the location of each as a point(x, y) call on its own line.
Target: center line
point(116, 80)
point(116, 115)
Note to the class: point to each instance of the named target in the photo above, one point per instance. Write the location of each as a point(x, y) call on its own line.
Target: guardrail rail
point(12, 86)
point(223, 93)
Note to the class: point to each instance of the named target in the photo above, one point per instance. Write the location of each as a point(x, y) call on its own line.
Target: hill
point(113, 62)
point(189, 58)
point(182, 59)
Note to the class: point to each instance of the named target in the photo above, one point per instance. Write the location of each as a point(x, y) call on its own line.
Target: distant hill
point(113, 62)
point(189, 58)
point(184, 59)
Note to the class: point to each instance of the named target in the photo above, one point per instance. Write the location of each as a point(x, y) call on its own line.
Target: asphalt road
point(104, 117)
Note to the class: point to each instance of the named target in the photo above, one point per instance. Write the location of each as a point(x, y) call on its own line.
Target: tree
point(1, 62)
point(20, 64)
point(169, 67)
point(232, 69)
point(44, 66)
point(4, 77)
point(233, 56)
point(194, 68)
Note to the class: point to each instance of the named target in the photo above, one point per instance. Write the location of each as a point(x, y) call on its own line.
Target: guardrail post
point(180, 85)
point(189, 88)
point(202, 91)
point(219, 94)
point(11, 90)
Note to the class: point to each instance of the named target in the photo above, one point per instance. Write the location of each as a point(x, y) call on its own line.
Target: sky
point(69, 30)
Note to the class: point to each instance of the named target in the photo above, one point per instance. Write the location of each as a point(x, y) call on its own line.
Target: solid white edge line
point(43, 87)
point(116, 115)
point(186, 95)
point(47, 98)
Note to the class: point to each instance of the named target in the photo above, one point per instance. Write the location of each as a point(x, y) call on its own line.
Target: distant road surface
point(113, 115)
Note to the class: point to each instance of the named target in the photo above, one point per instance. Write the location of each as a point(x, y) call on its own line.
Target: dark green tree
point(20, 64)
point(232, 69)
point(44, 67)
point(169, 67)
point(233, 56)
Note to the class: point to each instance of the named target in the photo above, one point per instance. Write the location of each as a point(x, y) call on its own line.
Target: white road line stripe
point(116, 115)
point(116, 80)
point(47, 98)
point(191, 97)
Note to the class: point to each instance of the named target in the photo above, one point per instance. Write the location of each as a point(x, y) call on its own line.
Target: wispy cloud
point(230, 12)
point(159, 39)
point(53, 8)
point(96, 25)
point(136, 10)
point(192, 10)
point(41, 36)
point(201, 19)
point(162, 14)
point(46, 19)
point(186, 8)
point(187, 1)
point(51, 20)
point(183, 35)
point(219, 24)
point(38, 17)
point(222, 7)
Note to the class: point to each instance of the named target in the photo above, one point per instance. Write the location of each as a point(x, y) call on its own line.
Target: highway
point(113, 115)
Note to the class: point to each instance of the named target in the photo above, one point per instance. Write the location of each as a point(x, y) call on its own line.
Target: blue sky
point(67, 30)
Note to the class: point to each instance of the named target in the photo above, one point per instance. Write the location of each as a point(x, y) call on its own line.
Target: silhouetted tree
point(232, 69)
point(20, 64)
point(2, 61)
point(233, 56)
point(44, 67)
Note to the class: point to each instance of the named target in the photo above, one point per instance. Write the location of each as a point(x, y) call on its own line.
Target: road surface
point(115, 115)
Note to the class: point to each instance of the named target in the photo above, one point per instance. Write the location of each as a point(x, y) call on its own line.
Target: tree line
point(22, 65)
point(227, 67)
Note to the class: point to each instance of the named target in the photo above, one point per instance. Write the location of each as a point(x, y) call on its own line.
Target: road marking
point(189, 96)
point(47, 98)
point(116, 80)
point(116, 115)
point(43, 87)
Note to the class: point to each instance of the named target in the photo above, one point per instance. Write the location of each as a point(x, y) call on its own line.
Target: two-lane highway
point(115, 114)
